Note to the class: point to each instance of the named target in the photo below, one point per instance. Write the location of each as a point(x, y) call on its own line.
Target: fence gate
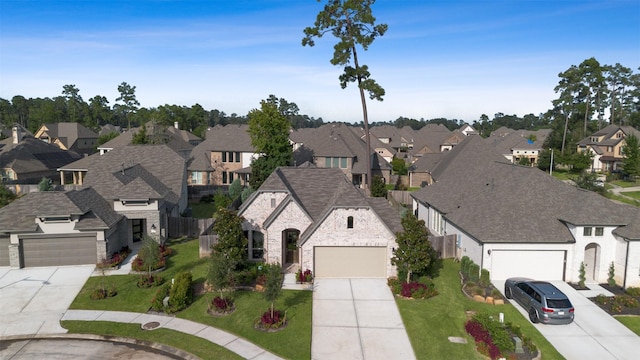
point(445, 245)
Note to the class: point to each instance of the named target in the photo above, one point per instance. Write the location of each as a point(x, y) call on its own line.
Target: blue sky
point(453, 59)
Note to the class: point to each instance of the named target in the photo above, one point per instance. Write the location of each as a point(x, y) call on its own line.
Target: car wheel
point(507, 292)
point(533, 316)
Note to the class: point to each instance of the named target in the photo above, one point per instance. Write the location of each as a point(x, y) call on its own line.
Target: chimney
point(15, 133)
point(176, 125)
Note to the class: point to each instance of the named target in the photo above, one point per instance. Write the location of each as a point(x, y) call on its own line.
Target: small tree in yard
point(414, 253)
point(232, 243)
point(378, 187)
point(149, 253)
point(273, 283)
point(220, 272)
point(582, 274)
point(612, 274)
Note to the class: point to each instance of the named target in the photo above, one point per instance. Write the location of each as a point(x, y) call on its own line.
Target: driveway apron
point(357, 319)
point(33, 300)
point(594, 334)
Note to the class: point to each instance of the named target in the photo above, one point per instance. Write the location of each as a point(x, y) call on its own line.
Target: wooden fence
point(187, 226)
point(206, 242)
point(444, 245)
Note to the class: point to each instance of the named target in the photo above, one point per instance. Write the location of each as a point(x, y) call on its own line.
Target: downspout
point(626, 262)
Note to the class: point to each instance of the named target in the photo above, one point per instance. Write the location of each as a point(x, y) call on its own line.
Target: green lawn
point(625, 184)
point(632, 322)
point(294, 342)
point(430, 322)
point(202, 348)
point(622, 199)
point(633, 194)
point(562, 175)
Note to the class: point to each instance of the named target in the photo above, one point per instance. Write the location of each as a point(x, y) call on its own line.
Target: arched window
point(350, 222)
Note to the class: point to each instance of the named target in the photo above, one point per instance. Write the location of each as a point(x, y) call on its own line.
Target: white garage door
point(535, 264)
point(350, 261)
point(58, 251)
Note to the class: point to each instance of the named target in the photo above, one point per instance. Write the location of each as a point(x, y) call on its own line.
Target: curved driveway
point(594, 334)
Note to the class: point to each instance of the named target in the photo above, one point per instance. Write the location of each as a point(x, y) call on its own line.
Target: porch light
point(153, 229)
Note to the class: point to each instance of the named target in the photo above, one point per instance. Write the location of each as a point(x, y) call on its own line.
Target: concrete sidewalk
point(357, 319)
point(229, 341)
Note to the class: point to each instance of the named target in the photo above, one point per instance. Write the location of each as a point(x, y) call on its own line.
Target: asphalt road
point(70, 349)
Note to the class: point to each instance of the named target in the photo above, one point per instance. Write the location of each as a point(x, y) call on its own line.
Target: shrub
point(499, 334)
point(464, 265)
point(158, 298)
point(612, 273)
point(180, 295)
point(221, 304)
point(582, 275)
point(103, 293)
point(633, 291)
point(150, 281)
point(602, 299)
point(474, 272)
point(272, 319)
point(207, 199)
point(138, 265)
point(484, 278)
point(496, 294)
point(395, 285)
point(418, 290)
point(626, 301)
point(482, 336)
point(115, 260)
point(305, 276)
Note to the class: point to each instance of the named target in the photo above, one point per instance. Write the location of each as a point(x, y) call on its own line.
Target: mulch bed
point(623, 310)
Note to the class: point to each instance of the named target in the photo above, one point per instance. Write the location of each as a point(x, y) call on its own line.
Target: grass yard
point(632, 322)
point(622, 199)
point(294, 342)
point(191, 344)
point(430, 322)
point(633, 194)
point(625, 184)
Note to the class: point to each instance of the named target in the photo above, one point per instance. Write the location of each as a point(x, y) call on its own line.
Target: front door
point(137, 229)
point(291, 246)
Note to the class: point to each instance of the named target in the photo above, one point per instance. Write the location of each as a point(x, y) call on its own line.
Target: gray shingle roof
point(157, 166)
point(32, 155)
point(170, 136)
point(318, 190)
point(496, 201)
point(94, 211)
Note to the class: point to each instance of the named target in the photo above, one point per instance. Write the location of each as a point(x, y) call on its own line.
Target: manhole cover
point(150, 325)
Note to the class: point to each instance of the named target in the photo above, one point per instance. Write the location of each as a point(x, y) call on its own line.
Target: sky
point(442, 58)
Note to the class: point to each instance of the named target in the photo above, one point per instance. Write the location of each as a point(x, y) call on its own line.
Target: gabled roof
point(607, 135)
point(320, 190)
point(230, 137)
point(431, 137)
point(157, 166)
point(93, 210)
point(494, 201)
point(68, 132)
point(519, 140)
point(169, 136)
point(33, 156)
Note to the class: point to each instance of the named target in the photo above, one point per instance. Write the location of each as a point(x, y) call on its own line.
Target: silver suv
point(544, 302)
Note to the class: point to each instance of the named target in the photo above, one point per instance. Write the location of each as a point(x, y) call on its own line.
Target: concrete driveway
point(357, 319)
point(34, 300)
point(594, 334)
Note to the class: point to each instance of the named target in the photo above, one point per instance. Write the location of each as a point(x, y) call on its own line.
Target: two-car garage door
point(535, 264)
point(58, 251)
point(350, 261)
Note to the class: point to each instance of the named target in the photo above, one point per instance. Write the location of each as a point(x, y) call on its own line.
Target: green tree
point(353, 24)
point(631, 152)
point(269, 132)
point(99, 110)
point(273, 283)
point(140, 137)
point(378, 187)
point(414, 254)
point(149, 253)
point(232, 243)
point(74, 102)
point(45, 184)
point(129, 102)
point(581, 161)
point(6, 196)
point(399, 166)
point(102, 139)
point(235, 189)
point(220, 271)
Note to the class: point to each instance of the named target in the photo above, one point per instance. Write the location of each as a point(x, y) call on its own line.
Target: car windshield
point(558, 303)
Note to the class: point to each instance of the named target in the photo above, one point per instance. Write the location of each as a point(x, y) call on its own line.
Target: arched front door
point(591, 262)
point(290, 246)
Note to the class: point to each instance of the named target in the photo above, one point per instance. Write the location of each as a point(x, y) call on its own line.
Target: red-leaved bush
point(481, 335)
point(268, 320)
point(222, 304)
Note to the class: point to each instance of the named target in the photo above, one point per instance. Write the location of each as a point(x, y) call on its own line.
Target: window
point(257, 245)
point(350, 222)
point(587, 231)
point(335, 162)
point(343, 162)
point(237, 157)
point(224, 177)
point(196, 177)
point(273, 203)
point(230, 156)
point(599, 231)
point(224, 156)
